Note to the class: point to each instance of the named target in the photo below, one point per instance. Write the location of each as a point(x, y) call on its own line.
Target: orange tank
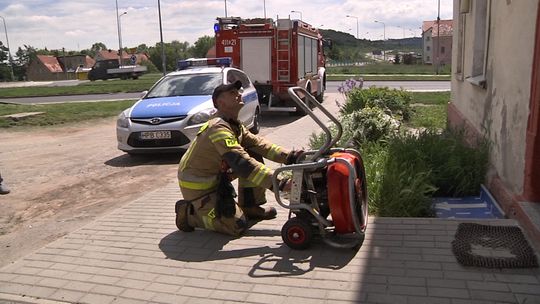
point(338, 192)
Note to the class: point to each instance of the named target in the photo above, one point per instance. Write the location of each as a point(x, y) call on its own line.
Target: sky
point(77, 24)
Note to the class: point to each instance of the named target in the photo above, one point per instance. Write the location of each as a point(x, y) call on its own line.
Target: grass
point(429, 117)
point(56, 114)
point(95, 87)
point(429, 98)
point(389, 68)
point(386, 77)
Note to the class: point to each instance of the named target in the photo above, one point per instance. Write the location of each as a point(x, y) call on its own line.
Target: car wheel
point(256, 125)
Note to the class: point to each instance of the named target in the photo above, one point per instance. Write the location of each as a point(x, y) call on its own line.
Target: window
point(427, 38)
point(480, 42)
point(442, 49)
point(461, 38)
point(427, 48)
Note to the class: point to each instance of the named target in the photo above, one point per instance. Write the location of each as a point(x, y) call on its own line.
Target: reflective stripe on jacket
point(219, 140)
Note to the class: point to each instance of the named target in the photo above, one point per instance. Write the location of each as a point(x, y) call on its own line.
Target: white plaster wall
point(501, 109)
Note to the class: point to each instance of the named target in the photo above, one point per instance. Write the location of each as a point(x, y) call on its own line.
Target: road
point(332, 87)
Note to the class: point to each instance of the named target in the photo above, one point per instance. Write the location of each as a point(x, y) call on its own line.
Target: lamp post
point(225, 8)
point(163, 63)
point(350, 16)
point(299, 12)
point(437, 66)
point(384, 38)
point(120, 37)
point(9, 52)
point(119, 34)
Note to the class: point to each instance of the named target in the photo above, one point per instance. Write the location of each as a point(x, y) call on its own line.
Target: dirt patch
point(63, 177)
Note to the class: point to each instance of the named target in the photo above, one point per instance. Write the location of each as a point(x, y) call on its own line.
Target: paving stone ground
point(136, 255)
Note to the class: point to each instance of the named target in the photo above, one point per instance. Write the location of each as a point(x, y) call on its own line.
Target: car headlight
point(122, 121)
point(201, 117)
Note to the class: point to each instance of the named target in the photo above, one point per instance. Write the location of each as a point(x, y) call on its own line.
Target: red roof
point(89, 62)
point(446, 27)
point(51, 63)
point(113, 54)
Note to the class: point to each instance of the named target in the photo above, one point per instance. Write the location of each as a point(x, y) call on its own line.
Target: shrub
point(368, 124)
point(396, 102)
point(456, 169)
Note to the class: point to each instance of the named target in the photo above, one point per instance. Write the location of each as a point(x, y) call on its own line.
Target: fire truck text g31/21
point(276, 56)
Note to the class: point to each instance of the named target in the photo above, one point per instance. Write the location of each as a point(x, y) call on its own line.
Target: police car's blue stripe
point(250, 97)
point(167, 106)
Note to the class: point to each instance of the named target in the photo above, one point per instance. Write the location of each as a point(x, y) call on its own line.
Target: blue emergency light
point(216, 27)
point(198, 62)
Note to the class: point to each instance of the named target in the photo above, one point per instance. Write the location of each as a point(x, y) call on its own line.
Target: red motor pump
point(329, 190)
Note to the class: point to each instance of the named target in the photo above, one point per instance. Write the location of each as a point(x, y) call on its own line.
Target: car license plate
point(156, 135)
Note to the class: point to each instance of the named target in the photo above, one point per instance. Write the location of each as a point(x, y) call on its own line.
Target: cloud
point(78, 24)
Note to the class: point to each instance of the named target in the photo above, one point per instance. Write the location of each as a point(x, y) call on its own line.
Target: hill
point(347, 47)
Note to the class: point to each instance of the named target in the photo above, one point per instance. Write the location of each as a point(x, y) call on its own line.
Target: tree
point(202, 45)
point(174, 51)
point(96, 47)
point(5, 73)
point(142, 48)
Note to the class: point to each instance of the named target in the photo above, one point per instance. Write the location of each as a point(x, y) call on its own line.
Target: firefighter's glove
point(226, 205)
point(283, 184)
point(293, 157)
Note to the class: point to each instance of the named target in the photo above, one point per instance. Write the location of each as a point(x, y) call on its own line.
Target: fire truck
point(276, 56)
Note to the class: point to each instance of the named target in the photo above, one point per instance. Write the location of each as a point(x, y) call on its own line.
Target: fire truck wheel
point(297, 234)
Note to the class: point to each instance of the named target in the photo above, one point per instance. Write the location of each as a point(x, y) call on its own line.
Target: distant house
point(496, 95)
point(126, 58)
point(437, 41)
point(44, 68)
point(47, 67)
point(72, 62)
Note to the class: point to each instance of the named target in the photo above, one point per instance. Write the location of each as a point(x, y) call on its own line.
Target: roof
point(51, 63)
point(446, 27)
point(112, 54)
point(89, 61)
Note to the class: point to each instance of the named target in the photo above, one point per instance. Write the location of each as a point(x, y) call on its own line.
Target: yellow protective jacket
point(227, 140)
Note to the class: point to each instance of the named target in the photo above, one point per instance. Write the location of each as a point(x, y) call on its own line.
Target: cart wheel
point(297, 234)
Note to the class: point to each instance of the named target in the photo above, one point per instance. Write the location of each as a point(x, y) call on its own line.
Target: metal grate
point(492, 247)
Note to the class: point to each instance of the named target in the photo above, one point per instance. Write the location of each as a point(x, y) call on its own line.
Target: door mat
point(492, 247)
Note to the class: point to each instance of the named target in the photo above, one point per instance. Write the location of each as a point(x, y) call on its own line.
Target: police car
point(168, 116)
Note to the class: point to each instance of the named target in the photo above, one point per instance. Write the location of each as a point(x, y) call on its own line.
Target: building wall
point(444, 44)
point(38, 72)
point(427, 47)
point(500, 110)
point(71, 63)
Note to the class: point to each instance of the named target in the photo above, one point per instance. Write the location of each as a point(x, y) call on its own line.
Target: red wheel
point(297, 234)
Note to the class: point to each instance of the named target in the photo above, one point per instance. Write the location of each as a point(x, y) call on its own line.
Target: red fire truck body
point(276, 56)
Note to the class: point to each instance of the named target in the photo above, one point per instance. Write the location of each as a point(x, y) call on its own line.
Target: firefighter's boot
point(259, 213)
point(181, 209)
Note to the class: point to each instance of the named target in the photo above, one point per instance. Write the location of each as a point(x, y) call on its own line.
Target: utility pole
point(10, 59)
point(437, 66)
point(119, 35)
point(163, 63)
point(384, 38)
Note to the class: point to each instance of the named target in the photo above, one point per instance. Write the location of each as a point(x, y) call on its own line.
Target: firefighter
point(223, 150)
